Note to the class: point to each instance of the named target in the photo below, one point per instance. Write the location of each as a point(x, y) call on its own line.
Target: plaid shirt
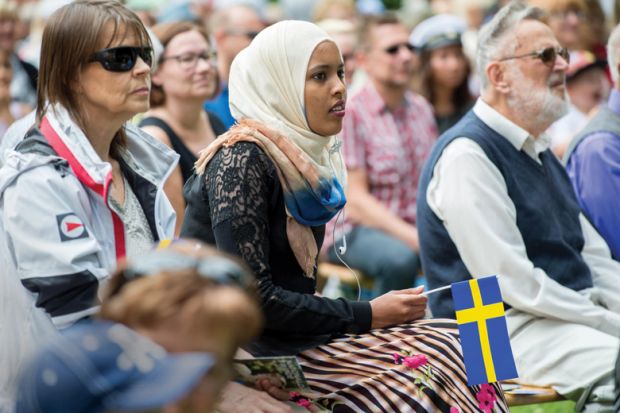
point(391, 146)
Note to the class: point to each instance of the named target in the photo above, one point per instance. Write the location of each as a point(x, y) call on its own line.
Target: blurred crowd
point(266, 97)
point(443, 59)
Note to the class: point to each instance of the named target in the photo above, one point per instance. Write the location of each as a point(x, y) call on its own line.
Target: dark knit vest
point(547, 215)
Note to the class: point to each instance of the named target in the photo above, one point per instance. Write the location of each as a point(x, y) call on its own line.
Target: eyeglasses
point(394, 49)
point(190, 60)
point(122, 59)
point(219, 269)
point(547, 55)
point(250, 34)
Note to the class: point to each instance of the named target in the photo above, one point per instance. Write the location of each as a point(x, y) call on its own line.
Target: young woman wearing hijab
point(264, 191)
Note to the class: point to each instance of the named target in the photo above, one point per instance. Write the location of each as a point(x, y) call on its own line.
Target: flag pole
point(435, 290)
point(445, 287)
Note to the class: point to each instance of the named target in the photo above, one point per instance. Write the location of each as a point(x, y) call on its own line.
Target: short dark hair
point(72, 34)
point(370, 22)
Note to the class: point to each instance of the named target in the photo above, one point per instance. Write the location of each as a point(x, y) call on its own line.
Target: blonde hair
point(153, 299)
point(322, 10)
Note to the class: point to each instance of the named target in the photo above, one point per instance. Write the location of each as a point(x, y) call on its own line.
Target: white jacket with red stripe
point(59, 240)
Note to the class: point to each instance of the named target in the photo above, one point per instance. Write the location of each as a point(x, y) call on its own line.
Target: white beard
point(536, 106)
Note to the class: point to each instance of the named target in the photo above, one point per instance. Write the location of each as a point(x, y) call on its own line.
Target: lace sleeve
point(239, 186)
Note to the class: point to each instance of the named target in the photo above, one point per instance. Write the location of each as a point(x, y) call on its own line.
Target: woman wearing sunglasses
point(84, 188)
point(264, 191)
point(186, 77)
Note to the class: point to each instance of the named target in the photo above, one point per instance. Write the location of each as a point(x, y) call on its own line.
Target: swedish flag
point(484, 334)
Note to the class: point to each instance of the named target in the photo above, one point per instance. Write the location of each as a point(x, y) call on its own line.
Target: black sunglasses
point(122, 59)
point(547, 55)
point(396, 48)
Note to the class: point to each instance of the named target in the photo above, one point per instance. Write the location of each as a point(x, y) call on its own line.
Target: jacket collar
point(145, 155)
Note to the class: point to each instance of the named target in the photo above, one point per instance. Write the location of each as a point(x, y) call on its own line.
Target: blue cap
point(438, 31)
point(101, 366)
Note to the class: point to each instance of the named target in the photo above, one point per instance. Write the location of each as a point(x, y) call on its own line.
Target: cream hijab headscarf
point(267, 82)
point(266, 95)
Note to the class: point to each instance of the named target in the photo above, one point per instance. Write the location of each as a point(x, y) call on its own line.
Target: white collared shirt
point(468, 193)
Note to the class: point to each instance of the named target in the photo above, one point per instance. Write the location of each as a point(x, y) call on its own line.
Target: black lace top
point(238, 205)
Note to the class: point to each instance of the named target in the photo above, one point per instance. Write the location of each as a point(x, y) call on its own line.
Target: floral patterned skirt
point(415, 367)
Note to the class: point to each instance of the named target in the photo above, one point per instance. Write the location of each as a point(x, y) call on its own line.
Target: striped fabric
point(359, 374)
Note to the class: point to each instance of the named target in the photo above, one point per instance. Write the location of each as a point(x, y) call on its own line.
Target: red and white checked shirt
point(391, 146)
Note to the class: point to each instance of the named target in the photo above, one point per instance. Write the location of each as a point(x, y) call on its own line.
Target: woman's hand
point(237, 398)
point(398, 307)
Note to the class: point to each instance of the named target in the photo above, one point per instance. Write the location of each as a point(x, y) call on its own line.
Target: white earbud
point(343, 248)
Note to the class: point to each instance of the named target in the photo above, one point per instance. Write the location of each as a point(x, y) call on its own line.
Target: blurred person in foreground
point(593, 160)
point(264, 191)
point(84, 188)
point(184, 296)
point(104, 367)
point(185, 77)
point(189, 297)
point(494, 199)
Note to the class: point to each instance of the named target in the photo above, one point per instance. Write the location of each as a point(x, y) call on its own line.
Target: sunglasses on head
point(548, 55)
point(122, 59)
point(219, 269)
point(396, 48)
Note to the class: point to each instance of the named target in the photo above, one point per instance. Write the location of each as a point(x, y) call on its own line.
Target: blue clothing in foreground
point(221, 108)
point(594, 169)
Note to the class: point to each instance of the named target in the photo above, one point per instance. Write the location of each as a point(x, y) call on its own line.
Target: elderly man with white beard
point(493, 200)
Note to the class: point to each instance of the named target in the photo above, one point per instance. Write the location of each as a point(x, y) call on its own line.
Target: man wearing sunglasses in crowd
point(387, 135)
point(493, 199)
point(233, 29)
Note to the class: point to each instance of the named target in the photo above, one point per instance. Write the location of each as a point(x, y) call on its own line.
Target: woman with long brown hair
point(84, 187)
point(185, 78)
point(443, 77)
